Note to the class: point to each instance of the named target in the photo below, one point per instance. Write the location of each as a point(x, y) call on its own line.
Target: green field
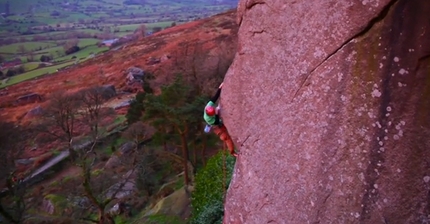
point(84, 53)
point(131, 27)
point(87, 42)
point(159, 24)
point(33, 74)
point(31, 65)
point(55, 51)
point(60, 22)
point(29, 46)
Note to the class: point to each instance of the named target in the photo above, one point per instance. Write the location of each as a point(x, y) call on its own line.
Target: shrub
point(207, 198)
point(10, 73)
point(45, 58)
point(159, 219)
point(211, 213)
point(134, 112)
point(72, 50)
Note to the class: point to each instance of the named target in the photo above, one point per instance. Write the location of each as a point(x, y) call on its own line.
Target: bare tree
point(70, 43)
point(92, 100)
point(203, 68)
point(137, 132)
point(145, 180)
point(141, 31)
point(22, 49)
point(60, 118)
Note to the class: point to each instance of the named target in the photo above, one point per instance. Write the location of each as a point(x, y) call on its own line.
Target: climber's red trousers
point(222, 132)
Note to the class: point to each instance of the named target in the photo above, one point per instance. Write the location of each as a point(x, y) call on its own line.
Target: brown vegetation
point(166, 45)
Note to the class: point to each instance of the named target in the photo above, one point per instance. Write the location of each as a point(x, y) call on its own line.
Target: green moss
point(66, 179)
point(58, 201)
point(96, 172)
point(161, 219)
point(54, 183)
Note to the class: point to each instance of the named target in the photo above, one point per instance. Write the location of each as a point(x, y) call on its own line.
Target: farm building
point(108, 43)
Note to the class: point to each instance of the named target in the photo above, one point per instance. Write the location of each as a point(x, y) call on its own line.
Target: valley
point(42, 37)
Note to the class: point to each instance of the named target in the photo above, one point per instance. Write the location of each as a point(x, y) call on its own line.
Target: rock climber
point(212, 118)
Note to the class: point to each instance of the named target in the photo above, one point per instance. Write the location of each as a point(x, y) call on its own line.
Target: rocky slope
point(328, 102)
point(200, 48)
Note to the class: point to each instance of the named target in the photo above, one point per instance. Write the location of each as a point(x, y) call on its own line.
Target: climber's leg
point(222, 132)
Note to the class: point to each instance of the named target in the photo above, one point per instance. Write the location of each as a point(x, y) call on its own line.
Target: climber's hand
point(220, 86)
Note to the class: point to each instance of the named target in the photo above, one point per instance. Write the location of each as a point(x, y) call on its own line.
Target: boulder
point(29, 98)
point(121, 105)
point(77, 201)
point(127, 148)
point(48, 206)
point(332, 116)
point(121, 189)
point(36, 111)
point(108, 91)
point(153, 61)
point(24, 161)
point(176, 204)
point(113, 162)
point(135, 73)
point(165, 57)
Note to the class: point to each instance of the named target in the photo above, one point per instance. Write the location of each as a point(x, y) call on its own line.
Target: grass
point(126, 29)
point(51, 50)
point(31, 65)
point(84, 52)
point(130, 27)
point(33, 74)
point(87, 42)
point(29, 46)
point(117, 123)
point(159, 24)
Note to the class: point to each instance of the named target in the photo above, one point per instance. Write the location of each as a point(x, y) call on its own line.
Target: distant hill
point(37, 6)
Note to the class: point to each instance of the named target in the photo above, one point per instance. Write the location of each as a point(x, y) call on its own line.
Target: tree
point(72, 43)
point(10, 73)
point(141, 31)
point(92, 112)
point(12, 203)
point(174, 108)
point(136, 109)
point(156, 29)
point(72, 50)
point(202, 68)
point(85, 108)
point(60, 118)
point(45, 58)
point(22, 49)
point(30, 57)
point(146, 179)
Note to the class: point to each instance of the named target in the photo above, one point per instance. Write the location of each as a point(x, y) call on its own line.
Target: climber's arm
point(216, 120)
point(215, 98)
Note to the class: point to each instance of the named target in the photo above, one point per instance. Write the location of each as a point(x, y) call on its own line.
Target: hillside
point(206, 46)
